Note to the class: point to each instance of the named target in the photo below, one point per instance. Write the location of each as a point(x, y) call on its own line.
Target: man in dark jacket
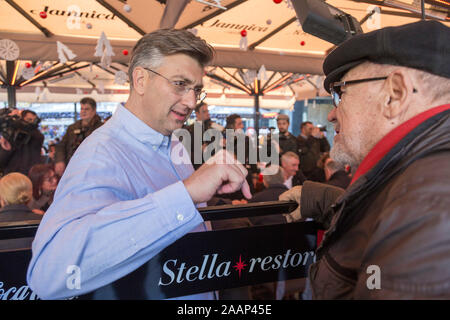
point(335, 174)
point(311, 143)
point(76, 133)
point(286, 140)
point(387, 233)
point(24, 149)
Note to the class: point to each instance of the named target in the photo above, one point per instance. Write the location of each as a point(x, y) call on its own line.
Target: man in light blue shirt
point(126, 193)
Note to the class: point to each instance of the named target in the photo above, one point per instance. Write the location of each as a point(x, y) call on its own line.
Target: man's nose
point(332, 115)
point(190, 99)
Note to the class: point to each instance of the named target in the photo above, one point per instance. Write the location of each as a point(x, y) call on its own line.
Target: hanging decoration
point(269, 22)
point(127, 8)
point(262, 73)
point(120, 77)
point(101, 87)
point(213, 3)
point(104, 50)
point(64, 53)
point(302, 43)
point(125, 52)
point(43, 14)
point(243, 44)
point(193, 31)
point(28, 73)
point(277, 1)
point(37, 92)
point(89, 26)
point(9, 50)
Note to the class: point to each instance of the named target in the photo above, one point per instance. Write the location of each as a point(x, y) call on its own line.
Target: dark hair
point(198, 106)
point(36, 175)
point(90, 102)
point(304, 124)
point(153, 47)
point(27, 111)
point(231, 119)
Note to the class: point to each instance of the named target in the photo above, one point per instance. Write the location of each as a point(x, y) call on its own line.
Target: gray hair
point(150, 50)
point(273, 175)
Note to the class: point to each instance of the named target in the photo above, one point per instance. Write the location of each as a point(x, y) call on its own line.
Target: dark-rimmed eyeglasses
point(181, 87)
point(335, 88)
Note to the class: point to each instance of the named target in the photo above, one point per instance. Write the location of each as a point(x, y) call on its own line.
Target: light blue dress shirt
point(120, 202)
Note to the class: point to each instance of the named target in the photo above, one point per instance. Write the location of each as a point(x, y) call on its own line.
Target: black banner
point(198, 262)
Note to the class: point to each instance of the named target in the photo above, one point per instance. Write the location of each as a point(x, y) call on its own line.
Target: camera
point(323, 129)
point(14, 129)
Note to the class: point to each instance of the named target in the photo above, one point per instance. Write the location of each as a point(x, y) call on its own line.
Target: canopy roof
point(274, 36)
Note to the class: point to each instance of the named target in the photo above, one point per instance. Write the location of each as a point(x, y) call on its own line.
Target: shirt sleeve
point(94, 227)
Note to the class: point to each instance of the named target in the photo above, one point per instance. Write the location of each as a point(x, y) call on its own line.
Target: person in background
point(16, 191)
point(76, 133)
point(335, 174)
point(286, 140)
point(293, 176)
point(19, 155)
point(273, 179)
point(44, 181)
point(202, 123)
point(311, 144)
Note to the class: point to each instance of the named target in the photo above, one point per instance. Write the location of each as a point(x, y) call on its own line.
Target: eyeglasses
point(181, 87)
point(335, 88)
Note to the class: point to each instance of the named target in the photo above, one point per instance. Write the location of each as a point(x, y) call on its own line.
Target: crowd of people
point(116, 192)
point(306, 153)
point(29, 170)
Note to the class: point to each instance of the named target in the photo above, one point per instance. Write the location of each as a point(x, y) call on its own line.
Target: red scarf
point(387, 143)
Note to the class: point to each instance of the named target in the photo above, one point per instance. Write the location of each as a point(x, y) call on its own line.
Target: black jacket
point(74, 136)
point(18, 212)
point(309, 151)
point(339, 179)
point(21, 159)
point(270, 194)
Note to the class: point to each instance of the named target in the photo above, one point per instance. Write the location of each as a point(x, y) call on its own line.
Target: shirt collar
point(142, 131)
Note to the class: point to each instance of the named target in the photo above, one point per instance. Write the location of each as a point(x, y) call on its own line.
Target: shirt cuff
point(177, 205)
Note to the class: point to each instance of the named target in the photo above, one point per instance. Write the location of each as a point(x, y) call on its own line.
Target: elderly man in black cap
point(388, 234)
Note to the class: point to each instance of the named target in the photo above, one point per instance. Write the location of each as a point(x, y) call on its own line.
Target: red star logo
point(240, 265)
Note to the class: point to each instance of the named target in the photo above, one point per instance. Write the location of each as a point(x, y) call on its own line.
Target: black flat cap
point(423, 45)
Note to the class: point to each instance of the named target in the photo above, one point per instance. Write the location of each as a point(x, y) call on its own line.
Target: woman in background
point(16, 192)
point(44, 181)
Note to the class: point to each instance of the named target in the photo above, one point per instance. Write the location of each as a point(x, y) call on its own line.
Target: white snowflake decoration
point(9, 50)
point(120, 77)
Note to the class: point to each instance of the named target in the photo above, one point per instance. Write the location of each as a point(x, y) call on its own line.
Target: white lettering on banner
point(13, 293)
point(208, 269)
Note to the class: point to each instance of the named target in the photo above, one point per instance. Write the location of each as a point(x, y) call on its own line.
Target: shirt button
point(180, 217)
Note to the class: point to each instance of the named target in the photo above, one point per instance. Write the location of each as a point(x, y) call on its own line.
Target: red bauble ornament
point(43, 14)
point(244, 33)
point(302, 43)
point(277, 1)
point(27, 65)
point(125, 52)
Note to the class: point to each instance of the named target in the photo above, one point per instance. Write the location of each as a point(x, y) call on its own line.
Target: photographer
point(76, 133)
point(21, 141)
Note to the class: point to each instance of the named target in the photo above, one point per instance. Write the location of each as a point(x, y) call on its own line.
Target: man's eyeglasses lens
point(181, 88)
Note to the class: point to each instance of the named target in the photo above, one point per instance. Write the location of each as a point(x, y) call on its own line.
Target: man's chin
point(341, 156)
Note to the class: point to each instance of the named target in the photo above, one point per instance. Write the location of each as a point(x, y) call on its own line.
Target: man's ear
point(140, 78)
point(400, 89)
